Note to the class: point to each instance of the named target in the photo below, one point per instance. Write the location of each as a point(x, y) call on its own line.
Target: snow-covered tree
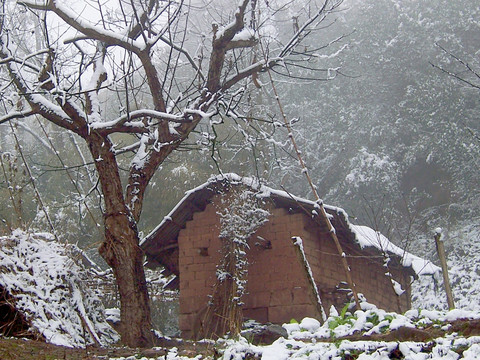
point(136, 78)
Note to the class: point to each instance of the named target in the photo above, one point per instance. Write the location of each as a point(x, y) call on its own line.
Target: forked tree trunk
point(121, 249)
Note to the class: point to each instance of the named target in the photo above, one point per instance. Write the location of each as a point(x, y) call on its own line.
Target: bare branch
point(459, 60)
point(38, 103)
point(24, 61)
point(76, 120)
point(455, 76)
point(187, 55)
point(238, 44)
point(15, 115)
point(249, 71)
point(106, 36)
point(465, 64)
point(302, 31)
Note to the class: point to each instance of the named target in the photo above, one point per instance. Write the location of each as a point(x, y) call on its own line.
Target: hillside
point(462, 244)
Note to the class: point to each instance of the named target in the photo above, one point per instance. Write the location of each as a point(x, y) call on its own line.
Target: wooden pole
point(322, 214)
point(312, 290)
point(443, 263)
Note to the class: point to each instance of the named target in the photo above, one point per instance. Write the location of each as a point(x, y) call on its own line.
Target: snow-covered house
point(187, 244)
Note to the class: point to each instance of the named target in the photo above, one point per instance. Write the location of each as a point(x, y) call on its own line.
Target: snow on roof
point(263, 192)
point(367, 237)
point(48, 287)
point(364, 236)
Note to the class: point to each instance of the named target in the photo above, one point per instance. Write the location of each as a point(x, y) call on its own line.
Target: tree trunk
point(120, 248)
point(121, 251)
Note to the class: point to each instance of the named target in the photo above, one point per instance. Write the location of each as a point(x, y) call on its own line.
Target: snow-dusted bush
point(48, 284)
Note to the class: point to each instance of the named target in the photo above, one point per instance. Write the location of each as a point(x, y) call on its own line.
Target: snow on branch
point(249, 71)
point(85, 27)
point(226, 34)
point(460, 76)
point(15, 115)
point(24, 62)
point(127, 119)
point(221, 40)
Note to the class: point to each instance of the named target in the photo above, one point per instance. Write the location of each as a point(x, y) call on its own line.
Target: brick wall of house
point(277, 285)
point(367, 273)
point(198, 256)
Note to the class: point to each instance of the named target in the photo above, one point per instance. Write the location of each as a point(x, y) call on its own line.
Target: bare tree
point(168, 73)
point(466, 73)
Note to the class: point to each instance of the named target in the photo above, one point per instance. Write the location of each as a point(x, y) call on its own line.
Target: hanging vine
point(241, 214)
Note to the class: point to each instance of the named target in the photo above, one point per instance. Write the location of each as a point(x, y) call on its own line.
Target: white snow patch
point(367, 237)
point(49, 288)
point(113, 315)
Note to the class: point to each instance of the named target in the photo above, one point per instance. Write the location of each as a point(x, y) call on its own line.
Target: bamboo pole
point(443, 263)
point(323, 214)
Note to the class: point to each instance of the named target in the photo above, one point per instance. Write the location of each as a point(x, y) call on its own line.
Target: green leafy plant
point(349, 354)
point(389, 318)
point(344, 310)
point(374, 319)
point(342, 319)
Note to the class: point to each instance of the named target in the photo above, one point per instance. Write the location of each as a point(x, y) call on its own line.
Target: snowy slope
point(48, 284)
point(311, 340)
point(462, 245)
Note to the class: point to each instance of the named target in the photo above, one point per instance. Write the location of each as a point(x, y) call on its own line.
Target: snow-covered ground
point(48, 283)
point(313, 341)
point(462, 245)
point(306, 340)
point(56, 309)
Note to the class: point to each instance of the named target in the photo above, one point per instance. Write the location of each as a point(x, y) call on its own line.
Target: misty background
point(386, 135)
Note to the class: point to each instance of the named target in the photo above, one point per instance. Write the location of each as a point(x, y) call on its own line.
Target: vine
point(241, 214)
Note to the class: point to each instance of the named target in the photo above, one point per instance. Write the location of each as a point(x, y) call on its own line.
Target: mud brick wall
point(199, 247)
point(277, 285)
point(369, 276)
point(277, 288)
point(367, 273)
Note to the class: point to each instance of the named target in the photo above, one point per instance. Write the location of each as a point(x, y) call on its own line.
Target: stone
point(265, 335)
